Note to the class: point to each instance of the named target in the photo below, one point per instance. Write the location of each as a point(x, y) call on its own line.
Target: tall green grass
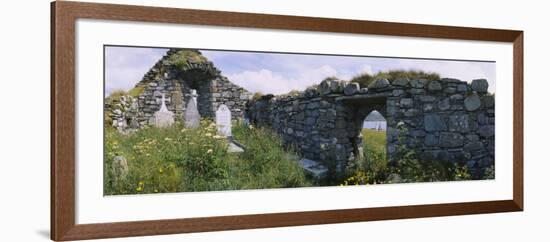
point(176, 159)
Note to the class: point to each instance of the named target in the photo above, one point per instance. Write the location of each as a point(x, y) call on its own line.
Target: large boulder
point(459, 123)
point(433, 122)
point(472, 102)
point(434, 86)
point(351, 88)
point(450, 140)
point(418, 83)
point(480, 85)
point(379, 83)
point(400, 81)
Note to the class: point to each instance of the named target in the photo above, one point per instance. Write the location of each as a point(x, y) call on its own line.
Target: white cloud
point(267, 81)
point(125, 66)
point(462, 70)
point(365, 69)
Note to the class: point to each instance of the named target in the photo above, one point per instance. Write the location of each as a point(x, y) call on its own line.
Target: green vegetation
point(136, 91)
point(374, 168)
point(175, 159)
point(182, 58)
point(257, 96)
point(365, 79)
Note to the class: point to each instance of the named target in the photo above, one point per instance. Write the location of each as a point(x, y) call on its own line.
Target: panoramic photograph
point(196, 120)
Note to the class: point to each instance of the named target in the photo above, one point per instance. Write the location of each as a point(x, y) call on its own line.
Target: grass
point(175, 159)
point(374, 140)
point(374, 167)
point(365, 79)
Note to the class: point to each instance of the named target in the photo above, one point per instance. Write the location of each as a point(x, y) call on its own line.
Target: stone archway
point(360, 108)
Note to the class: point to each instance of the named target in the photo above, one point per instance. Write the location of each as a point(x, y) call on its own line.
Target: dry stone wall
point(447, 120)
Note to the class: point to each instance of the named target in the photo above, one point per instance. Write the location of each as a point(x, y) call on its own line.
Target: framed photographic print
point(172, 120)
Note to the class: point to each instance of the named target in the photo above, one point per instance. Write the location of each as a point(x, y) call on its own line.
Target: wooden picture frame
point(63, 17)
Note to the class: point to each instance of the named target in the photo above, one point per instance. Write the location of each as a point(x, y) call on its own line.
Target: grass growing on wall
point(365, 79)
point(176, 159)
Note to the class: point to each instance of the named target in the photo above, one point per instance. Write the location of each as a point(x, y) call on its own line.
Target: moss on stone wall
point(365, 79)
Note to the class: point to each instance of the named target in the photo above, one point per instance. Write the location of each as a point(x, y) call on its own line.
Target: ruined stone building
point(445, 120)
point(175, 75)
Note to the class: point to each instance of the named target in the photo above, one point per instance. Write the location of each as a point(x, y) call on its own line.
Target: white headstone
point(163, 117)
point(223, 120)
point(192, 116)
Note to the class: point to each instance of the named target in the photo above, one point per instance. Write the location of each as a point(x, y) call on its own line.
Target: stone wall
point(175, 74)
point(446, 120)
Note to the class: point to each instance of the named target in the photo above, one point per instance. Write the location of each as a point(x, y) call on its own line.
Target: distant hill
point(375, 116)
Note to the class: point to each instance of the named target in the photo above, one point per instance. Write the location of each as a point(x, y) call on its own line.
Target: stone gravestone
point(163, 117)
point(192, 116)
point(133, 113)
point(119, 168)
point(223, 123)
point(223, 120)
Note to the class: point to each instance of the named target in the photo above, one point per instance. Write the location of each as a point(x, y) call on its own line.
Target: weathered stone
point(480, 85)
point(379, 83)
point(434, 86)
point(398, 92)
point(417, 133)
point(456, 97)
point(163, 117)
point(428, 107)
point(482, 119)
point(489, 101)
point(313, 105)
point(417, 91)
point(486, 131)
point(433, 122)
point(406, 102)
point(192, 116)
point(444, 104)
point(450, 90)
point(327, 86)
point(427, 98)
point(450, 80)
point(472, 102)
point(418, 83)
point(450, 140)
point(459, 123)
point(473, 146)
point(462, 88)
point(119, 168)
point(223, 121)
point(472, 137)
point(400, 81)
point(351, 88)
point(411, 112)
point(430, 140)
point(316, 169)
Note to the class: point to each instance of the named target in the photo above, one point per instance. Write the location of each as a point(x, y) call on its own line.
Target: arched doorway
point(368, 115)
point(373, 136)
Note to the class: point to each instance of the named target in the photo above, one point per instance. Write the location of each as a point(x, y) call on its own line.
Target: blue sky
point(278, 73)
